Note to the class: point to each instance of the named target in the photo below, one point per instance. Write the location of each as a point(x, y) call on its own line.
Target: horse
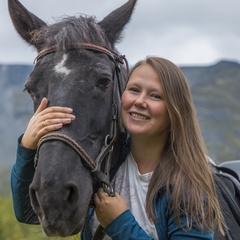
point(77, 66)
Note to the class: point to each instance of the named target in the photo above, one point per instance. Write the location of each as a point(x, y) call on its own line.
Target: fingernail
point(70, 110)
point(72, 117)
point(68, 121)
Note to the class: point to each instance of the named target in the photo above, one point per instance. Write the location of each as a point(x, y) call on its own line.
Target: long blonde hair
point(183, 167)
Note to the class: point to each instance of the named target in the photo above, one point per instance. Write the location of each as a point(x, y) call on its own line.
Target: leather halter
point(106, 151)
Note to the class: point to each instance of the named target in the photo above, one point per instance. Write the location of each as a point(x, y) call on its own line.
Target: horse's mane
point(70, 30)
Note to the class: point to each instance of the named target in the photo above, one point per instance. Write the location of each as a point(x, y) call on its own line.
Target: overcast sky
point(187, 32)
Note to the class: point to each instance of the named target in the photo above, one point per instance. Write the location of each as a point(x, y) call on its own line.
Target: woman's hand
point(108, 208)
point(45, 120)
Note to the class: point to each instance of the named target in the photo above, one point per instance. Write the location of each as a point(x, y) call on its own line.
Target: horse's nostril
point(71, 194)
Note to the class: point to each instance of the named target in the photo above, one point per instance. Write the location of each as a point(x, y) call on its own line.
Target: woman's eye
point(133, 89)
point(156, 96)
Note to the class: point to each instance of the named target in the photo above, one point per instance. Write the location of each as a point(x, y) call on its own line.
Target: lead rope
point(99, 233)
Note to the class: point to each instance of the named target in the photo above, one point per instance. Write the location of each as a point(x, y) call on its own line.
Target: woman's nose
point(141, 101)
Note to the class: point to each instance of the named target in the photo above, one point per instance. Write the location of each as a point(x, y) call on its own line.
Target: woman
point(164, 186)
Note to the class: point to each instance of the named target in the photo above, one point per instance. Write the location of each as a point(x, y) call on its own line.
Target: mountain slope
point(215, 91)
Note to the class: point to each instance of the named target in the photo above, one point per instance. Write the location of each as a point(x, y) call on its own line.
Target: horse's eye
point(26, 88)
point(29, 89)
point(103, 83)
point(29, 92)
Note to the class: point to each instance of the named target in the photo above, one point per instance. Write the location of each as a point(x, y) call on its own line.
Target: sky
point(187, 32)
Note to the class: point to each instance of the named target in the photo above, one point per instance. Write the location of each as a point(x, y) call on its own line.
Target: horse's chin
point(62, 234)
point(51, 231)
point(61, 228)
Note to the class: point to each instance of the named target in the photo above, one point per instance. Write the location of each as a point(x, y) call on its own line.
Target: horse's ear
point(114, 23)
point(24, 21)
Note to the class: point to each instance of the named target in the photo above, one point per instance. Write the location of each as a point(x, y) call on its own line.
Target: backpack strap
point(228, 189)
point(231, 196)
point(231, 167)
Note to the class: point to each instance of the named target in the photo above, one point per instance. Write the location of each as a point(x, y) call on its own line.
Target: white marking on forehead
point(60, 68)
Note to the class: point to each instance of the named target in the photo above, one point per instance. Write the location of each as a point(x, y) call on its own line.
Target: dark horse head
point(77, 66)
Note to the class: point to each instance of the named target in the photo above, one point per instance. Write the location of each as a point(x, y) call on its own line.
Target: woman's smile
point(138, 116)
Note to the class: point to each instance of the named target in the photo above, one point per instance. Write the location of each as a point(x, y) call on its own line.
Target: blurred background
point(201, 37)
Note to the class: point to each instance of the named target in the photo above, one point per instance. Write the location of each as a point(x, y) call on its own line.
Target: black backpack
point(227, 179)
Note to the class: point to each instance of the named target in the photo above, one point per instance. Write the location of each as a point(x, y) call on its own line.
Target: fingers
point(52, 116)
point(53, 124)
point(100, 195)
point(45, 119)
point(43, 109)
point(42, 105)
point(102, 199)
point(108, 208)
point(101, 192)
point(52, 121)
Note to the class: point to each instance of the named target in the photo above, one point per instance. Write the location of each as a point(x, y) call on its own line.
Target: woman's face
point(144, 112)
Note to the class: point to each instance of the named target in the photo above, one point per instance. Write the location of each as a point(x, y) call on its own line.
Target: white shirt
point(131, 185)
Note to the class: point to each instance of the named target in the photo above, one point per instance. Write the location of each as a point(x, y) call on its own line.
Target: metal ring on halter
point(108, 188)
point(107, 139)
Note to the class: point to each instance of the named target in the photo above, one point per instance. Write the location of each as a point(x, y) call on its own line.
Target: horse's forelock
point(68, 31)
